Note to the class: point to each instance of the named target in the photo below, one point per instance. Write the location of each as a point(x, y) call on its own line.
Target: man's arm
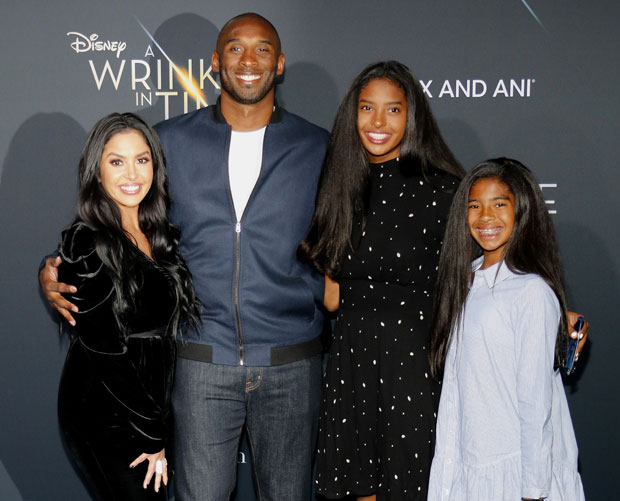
point(331, 299)
point(53, 289)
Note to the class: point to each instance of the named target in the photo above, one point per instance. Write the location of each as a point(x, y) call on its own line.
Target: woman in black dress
point(383, 199)
point(134, 294)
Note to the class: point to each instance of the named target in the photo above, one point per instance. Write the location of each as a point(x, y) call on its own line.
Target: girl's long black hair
point(531, 248)
point(99, 212)
point(343, 184)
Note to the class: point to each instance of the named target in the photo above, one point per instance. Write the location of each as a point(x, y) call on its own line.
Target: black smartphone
point(569, 362)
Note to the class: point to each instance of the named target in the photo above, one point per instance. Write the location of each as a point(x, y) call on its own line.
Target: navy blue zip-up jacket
point(261, 306)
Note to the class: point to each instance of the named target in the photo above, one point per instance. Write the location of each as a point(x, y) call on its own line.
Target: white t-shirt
point(245, 157)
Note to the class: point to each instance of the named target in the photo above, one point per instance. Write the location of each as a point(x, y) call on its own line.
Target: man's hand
point(331, 299)
point(572, 317)
point(52, 288)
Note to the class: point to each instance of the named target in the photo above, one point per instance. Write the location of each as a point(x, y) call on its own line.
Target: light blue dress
point(503, 429)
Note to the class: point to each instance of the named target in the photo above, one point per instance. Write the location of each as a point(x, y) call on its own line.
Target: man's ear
point(215, 62)
point(279, 65)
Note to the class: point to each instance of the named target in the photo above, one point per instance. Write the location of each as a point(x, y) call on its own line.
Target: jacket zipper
point(237, 262)
point(236, 293)
point(237, 271)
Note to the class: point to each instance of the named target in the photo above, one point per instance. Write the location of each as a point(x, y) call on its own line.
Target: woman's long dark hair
point(343, 185)
point(531, 248)
point(99, 212)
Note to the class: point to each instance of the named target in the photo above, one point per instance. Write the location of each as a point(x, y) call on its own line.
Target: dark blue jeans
point(279, 406)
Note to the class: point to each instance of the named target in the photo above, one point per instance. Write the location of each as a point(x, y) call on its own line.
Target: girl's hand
point(572, 317)
point(161, 472)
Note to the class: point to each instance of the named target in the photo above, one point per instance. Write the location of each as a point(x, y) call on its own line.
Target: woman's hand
point(160, 471)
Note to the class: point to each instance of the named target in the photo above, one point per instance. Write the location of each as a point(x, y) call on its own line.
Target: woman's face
point(126, 169)
point(382, 119)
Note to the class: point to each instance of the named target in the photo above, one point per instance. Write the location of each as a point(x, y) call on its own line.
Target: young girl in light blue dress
point(504, 430)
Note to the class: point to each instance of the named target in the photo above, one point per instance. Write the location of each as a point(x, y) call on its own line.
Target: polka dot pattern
point(379, 402)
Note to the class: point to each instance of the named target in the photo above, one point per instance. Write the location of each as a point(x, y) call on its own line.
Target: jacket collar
point(218, 117)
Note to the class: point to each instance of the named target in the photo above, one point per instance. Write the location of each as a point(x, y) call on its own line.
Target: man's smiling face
point(248, 58)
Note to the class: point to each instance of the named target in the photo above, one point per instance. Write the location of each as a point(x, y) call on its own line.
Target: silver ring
point(165, 461)
point(159, 467)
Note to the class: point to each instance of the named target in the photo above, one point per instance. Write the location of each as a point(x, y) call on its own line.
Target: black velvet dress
point(379, 403)
point(114, 396)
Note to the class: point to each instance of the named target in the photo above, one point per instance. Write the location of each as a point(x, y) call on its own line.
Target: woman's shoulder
point(81, 264)
point(77, 243)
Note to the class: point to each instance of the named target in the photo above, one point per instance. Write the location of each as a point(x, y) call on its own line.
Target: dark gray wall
point(565, 128)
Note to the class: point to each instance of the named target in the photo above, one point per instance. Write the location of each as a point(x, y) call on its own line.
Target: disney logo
point(82, 43)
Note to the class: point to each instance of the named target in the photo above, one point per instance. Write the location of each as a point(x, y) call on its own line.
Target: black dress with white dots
point(379, 400)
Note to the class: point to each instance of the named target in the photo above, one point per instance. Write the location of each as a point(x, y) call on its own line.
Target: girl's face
point(382, 119)
point(126, 169)
point(491, 217)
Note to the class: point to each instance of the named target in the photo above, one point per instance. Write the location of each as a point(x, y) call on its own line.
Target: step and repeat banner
point(532, 80)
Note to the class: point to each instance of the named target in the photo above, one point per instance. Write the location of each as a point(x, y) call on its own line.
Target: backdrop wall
point(536, 81)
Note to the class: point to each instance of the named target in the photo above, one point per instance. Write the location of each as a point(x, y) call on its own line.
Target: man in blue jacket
point(243, 177)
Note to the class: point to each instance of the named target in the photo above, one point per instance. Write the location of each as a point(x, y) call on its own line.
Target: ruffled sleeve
point(105, 346)
point(82, 267)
